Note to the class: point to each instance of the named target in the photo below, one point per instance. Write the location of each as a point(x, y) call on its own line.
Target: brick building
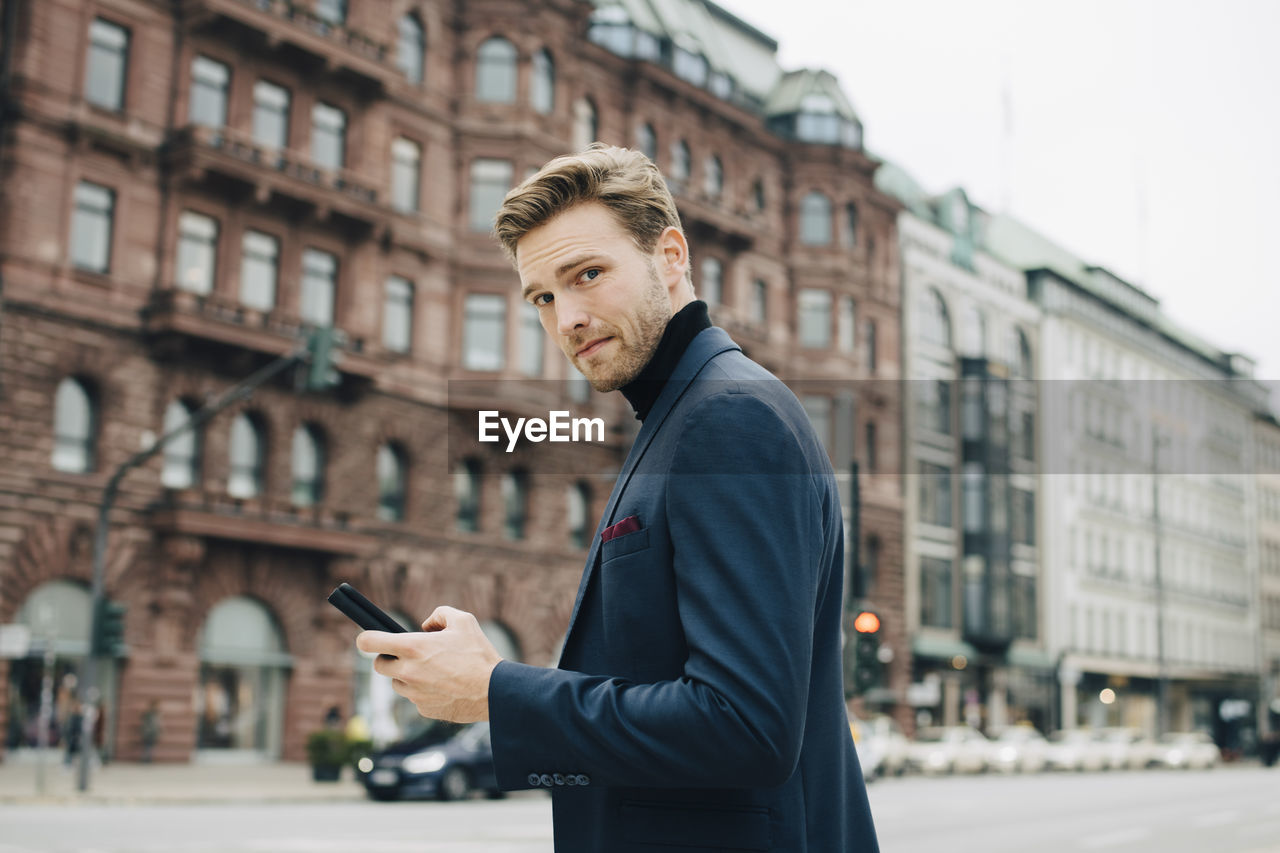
point(187, 188)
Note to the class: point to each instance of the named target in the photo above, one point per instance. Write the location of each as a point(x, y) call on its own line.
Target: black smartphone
point(362, 611)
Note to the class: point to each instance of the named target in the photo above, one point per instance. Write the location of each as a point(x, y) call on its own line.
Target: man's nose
point(571, 315)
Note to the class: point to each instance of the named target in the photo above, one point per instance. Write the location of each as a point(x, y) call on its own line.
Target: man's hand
point(444, 671)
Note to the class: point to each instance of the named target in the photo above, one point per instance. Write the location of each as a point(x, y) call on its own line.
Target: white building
point(1151, 579)
point(972, 568)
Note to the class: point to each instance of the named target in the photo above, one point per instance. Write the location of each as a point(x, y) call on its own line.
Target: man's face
point(603, 301)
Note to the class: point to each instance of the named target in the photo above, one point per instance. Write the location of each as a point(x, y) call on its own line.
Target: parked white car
point(882, 747)
point(1127, 749)
point(1018, 749)
point(953, 749)
point(1187, 751)
point(1075, 749)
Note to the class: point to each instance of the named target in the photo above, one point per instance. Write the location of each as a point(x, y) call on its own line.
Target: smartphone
point(362, 611)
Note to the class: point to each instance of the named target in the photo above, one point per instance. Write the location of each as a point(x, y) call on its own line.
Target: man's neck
point(642, 392)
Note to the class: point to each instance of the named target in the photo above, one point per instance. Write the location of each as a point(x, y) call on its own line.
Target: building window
point(411, 49)
point(585, 124)
point(973, 497)
point(197, 252)
point(466, 493)
point(543, 92)
point(209, 81)
point(104, 73)
point(818, 408)
point(1027, 437)
point(515, 500)
point(647, 141)
point(815, 220)
point(406, 174)
point(259, 263)
point(679, 171)
point(1025, 621)
point(935, 592)
point(579, 515)
point(850, 233)
point(391, 471)
point(757, 195)
point(815, 318)
point(496, 71)
point(319, 283)
point(873, 347)
point(933, 405)
point(308, 466)
point(270, 115)
point(1023, 368)
point(181, 467)
point(759, 302)
point(689, 64)
point(484, 329)
point(531, 340)
point(713, 177)
point(332, 11)
point(397, 315)
point(870, 447)
point(328, 136)
point(490, 180)
point(712, 285)
point(935, 494)
point(75, 428)
point(91, 227)
point(247, 457)
point(1024, 517)
point(935, 321)
point(846, 325)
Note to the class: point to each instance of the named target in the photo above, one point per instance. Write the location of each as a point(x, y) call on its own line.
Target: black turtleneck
point(642, 392)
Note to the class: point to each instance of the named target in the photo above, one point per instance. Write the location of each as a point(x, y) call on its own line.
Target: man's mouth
point(593, 347)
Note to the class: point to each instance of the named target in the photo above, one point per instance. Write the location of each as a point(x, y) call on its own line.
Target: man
point(698, 703)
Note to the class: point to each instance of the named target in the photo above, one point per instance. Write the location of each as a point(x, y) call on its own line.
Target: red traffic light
point(866, 623)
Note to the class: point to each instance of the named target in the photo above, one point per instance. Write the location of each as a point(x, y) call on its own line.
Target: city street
point(1229, 810)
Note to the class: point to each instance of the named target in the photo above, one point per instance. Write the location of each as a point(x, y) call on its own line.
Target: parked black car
point(440, 761)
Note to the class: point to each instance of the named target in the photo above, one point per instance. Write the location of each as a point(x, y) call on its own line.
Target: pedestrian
point(150, 730)
point(698, 703)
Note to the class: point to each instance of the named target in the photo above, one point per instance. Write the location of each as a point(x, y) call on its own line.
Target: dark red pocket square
point(630, 524)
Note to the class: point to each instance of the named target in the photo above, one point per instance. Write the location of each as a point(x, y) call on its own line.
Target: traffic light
point(321, 373)
point(108, 628)
point(868, 669)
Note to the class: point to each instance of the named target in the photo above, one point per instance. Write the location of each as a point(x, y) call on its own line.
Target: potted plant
point(327, 751)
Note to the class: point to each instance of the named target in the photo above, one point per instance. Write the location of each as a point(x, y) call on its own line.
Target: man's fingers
point(383, 643)
point(445, 617)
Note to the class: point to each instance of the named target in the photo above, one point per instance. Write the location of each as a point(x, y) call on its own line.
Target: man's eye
point(541, 299)
point(590, 275)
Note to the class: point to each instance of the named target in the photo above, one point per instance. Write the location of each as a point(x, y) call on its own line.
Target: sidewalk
point(172, 783)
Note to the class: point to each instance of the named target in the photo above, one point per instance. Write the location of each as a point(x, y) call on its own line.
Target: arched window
point(182, 454)
point(815, 220)
point(647, 141)
point(714, 177)
point(679, 171)
point(543, 93)
point(247, 457)
point(466, 493)
point(239, 700)
point(515, 499)
point(308, 466)
point(496, 71)
point(935, 320)
point(411, 49)
point(850, 225)
point(75, 428)
point(579, 515)
point(585, 127)
point(392, 478)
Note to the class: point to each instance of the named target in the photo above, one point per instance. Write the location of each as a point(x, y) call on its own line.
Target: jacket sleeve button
point(535, 780)
point(584, 780)
point(547, 781)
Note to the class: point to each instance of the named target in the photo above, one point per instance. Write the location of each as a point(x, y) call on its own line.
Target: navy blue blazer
point(698, 704)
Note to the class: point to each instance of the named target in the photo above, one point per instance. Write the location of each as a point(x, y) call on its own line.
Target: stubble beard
point(652, 316)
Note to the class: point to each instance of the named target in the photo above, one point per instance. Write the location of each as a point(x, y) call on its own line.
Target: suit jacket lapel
point(707, 345)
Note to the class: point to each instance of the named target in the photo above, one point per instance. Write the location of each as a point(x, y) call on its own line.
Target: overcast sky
point(1145, 134)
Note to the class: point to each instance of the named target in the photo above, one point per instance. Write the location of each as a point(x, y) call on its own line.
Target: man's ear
point(673, 257)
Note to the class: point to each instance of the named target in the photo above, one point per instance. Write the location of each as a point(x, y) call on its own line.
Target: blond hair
point(625, 181)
